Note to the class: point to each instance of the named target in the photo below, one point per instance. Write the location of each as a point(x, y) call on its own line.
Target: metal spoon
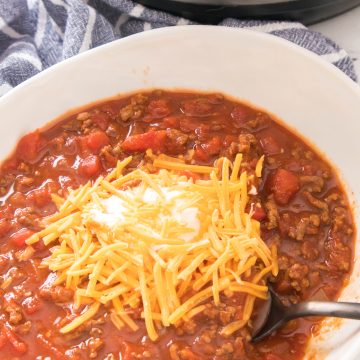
point(275, 314)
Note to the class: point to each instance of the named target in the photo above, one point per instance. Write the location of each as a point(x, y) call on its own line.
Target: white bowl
point(310, 95)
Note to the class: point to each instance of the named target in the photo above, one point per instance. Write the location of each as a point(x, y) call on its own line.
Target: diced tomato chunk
point(270, 145)
point(32, 304)
point(240, 115)
point(19, 238)
point(5, 226)
point(42, 195)
point(200, 154)
point(213, 146)
point(28, 147)
point(200, 107)
point(170, 122)
point(96, 141)
point(6, 211)
point(101, 120)
point(17, 199)
point(190, 175)
point(208, 149)
point(39, 196)
point(154, 140)
point(284, 185)
point(202, 132)
point(90, 166)
point(158, 108)
point(259, 213)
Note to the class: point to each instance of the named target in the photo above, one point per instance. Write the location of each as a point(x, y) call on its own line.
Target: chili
point(300, 202)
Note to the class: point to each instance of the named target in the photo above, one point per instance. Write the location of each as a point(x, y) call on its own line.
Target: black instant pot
point(213, 11)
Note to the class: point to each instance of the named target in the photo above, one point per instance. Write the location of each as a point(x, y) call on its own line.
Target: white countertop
point(345, 31)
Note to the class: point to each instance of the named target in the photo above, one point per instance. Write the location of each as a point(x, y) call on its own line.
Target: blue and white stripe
point(35, 34)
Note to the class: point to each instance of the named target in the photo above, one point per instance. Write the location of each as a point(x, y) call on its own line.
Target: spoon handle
point(324, 308)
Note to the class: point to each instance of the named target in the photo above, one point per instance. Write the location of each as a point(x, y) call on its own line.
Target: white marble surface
point(345, 30)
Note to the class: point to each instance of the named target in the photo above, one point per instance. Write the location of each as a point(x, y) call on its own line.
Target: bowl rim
point(332, 69)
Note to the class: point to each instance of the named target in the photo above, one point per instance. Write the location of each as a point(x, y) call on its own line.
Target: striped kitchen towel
point(35, 34)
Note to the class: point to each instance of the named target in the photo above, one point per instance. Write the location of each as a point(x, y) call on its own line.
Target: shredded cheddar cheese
point(259, 166)
point(160, 242)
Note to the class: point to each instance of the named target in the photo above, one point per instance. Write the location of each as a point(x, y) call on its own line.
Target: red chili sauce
point(303, 210)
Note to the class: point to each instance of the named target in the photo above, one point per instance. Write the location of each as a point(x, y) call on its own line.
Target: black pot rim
point(306, 11)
